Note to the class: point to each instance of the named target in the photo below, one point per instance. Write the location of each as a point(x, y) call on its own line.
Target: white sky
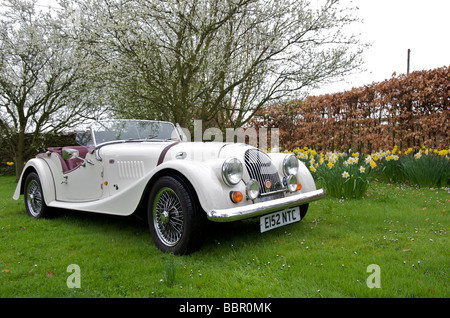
point(393, 27)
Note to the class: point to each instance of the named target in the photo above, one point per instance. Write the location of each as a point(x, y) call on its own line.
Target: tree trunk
point(19, 155)
point(19, 163)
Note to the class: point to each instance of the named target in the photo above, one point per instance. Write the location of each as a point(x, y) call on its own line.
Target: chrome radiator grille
point(260, 168)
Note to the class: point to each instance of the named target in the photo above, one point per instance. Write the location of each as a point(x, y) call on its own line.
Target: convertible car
point(123, 166)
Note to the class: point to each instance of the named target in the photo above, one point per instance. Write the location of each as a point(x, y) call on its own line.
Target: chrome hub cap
point(165, 217)
point(168, 217)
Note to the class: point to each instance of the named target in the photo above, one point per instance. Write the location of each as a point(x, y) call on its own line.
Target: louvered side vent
point(130, 169)
point(261, 168)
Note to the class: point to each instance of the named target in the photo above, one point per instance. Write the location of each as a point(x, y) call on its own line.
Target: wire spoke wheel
point(175, 219)
point(168, 217)
point(34, 198)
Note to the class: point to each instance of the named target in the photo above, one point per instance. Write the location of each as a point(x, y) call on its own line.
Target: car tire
point(303, 210)
point(34, 197)
point(175, 219)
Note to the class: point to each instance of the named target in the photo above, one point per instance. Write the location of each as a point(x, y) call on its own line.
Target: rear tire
point(175, 219)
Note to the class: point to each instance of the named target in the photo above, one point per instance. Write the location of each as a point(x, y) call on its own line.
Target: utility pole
point(407, 69)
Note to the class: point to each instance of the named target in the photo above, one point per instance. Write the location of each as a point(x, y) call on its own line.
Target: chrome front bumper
point(261, 208)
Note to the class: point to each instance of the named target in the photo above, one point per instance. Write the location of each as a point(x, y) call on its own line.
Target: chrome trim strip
point(257, 209)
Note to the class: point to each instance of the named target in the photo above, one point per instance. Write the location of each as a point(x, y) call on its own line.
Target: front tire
point(174, 217)
point(303, 210)
point(34, 197)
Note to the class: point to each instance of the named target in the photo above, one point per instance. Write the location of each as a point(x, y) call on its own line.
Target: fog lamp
point(292, 183)
point(290, 165)
point(252, 189)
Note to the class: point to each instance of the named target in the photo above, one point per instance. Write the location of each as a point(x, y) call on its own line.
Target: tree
point(42, 87)
point(219, 61)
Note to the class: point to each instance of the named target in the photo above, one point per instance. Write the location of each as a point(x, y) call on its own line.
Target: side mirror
point(69, 153)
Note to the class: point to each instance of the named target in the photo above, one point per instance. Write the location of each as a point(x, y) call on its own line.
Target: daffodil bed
point(349, 174)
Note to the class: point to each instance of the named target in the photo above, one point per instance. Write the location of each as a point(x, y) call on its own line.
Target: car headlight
point(232, 171)
point(252, 189)
point(290, 165)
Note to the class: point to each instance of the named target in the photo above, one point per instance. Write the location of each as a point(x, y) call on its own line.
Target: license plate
point(280, 218)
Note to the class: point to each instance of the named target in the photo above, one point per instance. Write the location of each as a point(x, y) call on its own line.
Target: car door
point(82, 176)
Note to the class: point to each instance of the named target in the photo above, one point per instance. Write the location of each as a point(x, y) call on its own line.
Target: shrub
point(7, 168)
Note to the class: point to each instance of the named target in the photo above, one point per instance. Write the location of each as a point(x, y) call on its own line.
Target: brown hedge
point(406, 110)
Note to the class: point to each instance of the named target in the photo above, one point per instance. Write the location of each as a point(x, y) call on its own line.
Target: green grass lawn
point(402, 229)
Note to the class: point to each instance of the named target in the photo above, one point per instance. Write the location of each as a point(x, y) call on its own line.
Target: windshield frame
point(114, 131)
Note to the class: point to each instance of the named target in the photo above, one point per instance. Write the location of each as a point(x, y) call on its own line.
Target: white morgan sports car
point(123, 166)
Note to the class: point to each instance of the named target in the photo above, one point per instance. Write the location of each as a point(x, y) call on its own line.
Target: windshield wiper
point(150, 137)
point(139, 139)
point(153, 138)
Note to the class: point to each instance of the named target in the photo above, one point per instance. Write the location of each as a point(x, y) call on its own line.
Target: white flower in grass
point(345, 174)
point(362, 169)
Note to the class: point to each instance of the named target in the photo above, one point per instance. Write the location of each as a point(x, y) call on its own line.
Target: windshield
point(128, 130)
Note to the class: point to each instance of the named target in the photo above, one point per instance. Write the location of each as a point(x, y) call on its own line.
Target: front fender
point(41, 167)
point(205, 178)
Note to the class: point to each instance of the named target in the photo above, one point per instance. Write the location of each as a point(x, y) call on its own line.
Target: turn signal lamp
point(236, 196)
